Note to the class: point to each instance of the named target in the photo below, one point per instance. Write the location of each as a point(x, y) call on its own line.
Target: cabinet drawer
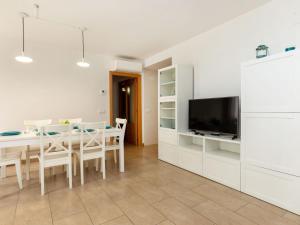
point(273, 187)
point(223, 171)
point(191, 160)
point(167, 136)
point(168, 153)
point(271, 141)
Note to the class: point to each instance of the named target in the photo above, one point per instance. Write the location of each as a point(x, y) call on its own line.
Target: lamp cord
point(82, 35)
point(23, 31)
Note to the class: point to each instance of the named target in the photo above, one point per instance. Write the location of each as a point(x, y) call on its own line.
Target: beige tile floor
point(150, 192)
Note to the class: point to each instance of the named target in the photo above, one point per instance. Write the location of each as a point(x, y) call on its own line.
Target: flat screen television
point(215, 115)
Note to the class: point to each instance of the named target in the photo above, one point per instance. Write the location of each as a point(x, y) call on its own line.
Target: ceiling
point(133, 28)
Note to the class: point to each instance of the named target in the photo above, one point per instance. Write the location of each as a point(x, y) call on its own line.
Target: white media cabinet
point(266, 162)
point(214, 157)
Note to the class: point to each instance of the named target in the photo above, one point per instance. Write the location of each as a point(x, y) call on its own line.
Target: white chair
point(30, 126)
point(56, 154)
point(120, 124)
point(12, 158)
point(92, 146)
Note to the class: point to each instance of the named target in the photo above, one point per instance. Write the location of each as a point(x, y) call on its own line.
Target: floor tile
point(148, 191)
point(76, 219)
point(101, 208)
point(220, 215)
point(64, 203)
point(220, 197)
point(291, 216)
point(123, 220)
point(166, 222)
point(183, 194)
point(180, 214)
point(117, 190)
point(7, 215)
point(140, 211)
point(263, 217)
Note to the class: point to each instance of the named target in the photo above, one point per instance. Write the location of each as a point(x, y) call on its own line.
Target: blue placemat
point(10, 133)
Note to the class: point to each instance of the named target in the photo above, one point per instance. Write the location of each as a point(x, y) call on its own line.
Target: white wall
point(217, 54)
point(53, 86)
point(150, 107)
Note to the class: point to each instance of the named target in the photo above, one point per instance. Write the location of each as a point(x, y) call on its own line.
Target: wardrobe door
point(272, 141)
point(272, 85)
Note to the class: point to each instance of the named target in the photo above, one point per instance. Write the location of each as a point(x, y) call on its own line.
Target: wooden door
point(128, 108)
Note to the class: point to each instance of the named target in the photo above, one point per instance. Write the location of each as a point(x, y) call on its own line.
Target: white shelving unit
point(175, 88)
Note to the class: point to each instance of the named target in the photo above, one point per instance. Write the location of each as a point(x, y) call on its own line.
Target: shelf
point(224, 154)
point(167, 83)
point(168, 108)
point(168, 118)
point(192, 147)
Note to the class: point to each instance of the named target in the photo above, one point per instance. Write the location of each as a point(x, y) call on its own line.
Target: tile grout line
point(85, 210)
point(48, 196)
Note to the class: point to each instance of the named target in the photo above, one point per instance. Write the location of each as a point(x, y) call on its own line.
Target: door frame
point(138, 78)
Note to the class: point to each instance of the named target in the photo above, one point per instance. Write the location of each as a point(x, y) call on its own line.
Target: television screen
point(217, 115)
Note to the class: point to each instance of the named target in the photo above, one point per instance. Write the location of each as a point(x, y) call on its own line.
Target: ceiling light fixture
point(83, 63)
point(23, 58)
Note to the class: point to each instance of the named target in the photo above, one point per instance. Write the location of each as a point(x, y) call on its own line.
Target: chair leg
point(66, 169)
point(115, 156)
point(81, 171)
point(70, 173)
point(103, 168)
point(97, 164)
point(74, 165)
point(42, 172)
point(19, 174)
point(27, 164)
point(52, 171)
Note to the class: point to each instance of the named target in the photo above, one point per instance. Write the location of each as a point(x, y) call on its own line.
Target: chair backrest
point(70, 121)
point(53, 136)
point(30, 125)
point(91, 136)
point(121, 124)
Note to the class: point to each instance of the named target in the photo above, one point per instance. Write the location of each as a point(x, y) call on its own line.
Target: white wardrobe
point(270, 108)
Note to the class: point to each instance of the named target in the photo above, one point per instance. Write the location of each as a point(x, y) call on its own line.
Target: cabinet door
point(271, 86)
point(191, 160)
point(223, 171)
point(272, 141)
point(273, 187)
point(168, 153)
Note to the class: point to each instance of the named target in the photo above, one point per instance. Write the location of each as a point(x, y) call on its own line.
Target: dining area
point(67, 143)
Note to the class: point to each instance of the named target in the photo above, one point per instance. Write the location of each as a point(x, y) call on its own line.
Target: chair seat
point(10, 158)
point(112, 147)
point(55, 159)
point(90, 154)
point(34, 152)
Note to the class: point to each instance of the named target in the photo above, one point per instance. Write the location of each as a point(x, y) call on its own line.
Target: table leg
point(121, 154)
point(3, 168)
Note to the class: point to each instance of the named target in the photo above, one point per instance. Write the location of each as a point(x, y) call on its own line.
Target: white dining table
point(25, 139)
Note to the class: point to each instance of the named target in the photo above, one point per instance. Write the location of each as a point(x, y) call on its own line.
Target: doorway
point(125, 102)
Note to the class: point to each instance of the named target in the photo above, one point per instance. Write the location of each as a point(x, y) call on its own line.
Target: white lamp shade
point(83, 64)
point(23, 59)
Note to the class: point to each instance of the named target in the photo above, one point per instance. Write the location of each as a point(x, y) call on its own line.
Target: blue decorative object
point(292, 48)
point(108, 127)
point(262, 51)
